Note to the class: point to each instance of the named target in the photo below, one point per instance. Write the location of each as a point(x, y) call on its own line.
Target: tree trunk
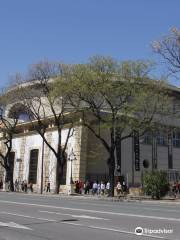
point(118, 150)
point(111, 174)
point(9, 179)
point(59, 175)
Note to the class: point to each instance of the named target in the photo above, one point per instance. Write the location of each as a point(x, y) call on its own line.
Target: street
point(35, 217)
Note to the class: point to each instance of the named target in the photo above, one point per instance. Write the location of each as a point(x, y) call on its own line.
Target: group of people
point(95, 187)
point(98, 187)
point(22, 186)
point(80, 187)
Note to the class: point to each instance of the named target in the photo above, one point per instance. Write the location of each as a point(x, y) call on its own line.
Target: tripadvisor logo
point(139, 231)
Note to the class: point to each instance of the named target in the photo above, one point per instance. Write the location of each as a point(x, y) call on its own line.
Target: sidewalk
point(123, 199)
point(128, 198)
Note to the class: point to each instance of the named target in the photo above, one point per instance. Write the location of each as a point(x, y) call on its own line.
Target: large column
point(47, 170)
point(80, 150)
point(21, 163)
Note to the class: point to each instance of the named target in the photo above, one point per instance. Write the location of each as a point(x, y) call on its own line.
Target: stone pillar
point(80, 150)
point(21, 163)
point(46, 175)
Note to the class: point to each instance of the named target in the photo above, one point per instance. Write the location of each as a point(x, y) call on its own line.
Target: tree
point(156, 184)
point(7, 130)
point(118, 98)
point(169, 49)
point(46, 109)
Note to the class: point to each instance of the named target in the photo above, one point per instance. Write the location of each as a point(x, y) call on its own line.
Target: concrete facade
point(91, 156)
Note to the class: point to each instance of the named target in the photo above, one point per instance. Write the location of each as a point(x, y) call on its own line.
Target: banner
point(136, 151)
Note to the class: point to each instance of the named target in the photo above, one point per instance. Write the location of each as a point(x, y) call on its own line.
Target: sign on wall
point(170, 151)
point(136, 151)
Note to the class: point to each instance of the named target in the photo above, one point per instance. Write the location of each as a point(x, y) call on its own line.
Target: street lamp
point(71, 158)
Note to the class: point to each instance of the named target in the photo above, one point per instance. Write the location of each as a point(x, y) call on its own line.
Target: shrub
point(155, 183)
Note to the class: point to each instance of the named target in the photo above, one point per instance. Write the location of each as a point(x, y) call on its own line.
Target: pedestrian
point(25, 186)
point(118, 189)
point(94, 188)
point(31, 187)
point(76, 186)
point(81, 187)
point(16, 186)
point(86, 187)
point(1, 184)
point(98, 188)
point(48, 187)
point(124, 187)
point(22, 186)
point(102, 188)
point(108, 188)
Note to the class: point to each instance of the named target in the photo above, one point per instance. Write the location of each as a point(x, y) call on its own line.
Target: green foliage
point(155, 184)
point(115, 93)
point(113, 97)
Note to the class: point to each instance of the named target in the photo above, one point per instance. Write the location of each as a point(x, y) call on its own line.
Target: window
point(161, 139)
point(176, 139)
point(33, 166)
point(147, 138)
point(19, 111)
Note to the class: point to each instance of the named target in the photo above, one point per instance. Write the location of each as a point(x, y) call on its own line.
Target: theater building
point(36, 163)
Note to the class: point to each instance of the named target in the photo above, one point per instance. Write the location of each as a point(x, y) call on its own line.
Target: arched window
point(33, 163)
point(19, 111)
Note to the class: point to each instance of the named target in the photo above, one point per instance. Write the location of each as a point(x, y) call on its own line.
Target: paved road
point(33, 217)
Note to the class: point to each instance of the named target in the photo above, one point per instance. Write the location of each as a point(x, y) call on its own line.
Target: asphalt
point(35, 217)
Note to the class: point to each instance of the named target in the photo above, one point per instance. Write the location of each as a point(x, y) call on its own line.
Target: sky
point(71, 31)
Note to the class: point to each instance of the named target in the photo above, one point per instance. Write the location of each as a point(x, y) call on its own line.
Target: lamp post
point(71, 158)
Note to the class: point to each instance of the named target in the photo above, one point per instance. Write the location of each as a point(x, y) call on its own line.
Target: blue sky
point(73, 30)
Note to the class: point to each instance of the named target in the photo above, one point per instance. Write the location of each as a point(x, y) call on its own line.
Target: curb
point(99, 198)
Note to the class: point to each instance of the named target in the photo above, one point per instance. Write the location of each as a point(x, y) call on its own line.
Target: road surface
point(35, 217)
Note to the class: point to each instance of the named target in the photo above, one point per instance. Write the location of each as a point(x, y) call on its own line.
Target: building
point(36, 163)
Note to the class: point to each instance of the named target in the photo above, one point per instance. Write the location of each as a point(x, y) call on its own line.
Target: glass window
point(147, 138)
point(161, 138)
point(176, 139)
point(33, 166)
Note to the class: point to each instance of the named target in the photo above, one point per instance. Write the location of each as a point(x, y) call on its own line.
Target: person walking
point(118, 189)
point(22, 186)
point(81, 187)
point(1, 184)
point(98, 189)
point(94, 188)
point(108, 188)
point(31, 187)
point(86, 187)
point(16, 186)
point(25, 186)
point(102, 188)
point(48, 187)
